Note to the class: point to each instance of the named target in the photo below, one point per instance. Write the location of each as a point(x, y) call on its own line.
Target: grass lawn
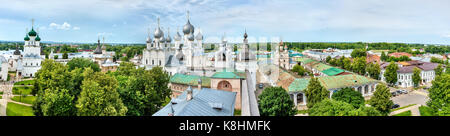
point(425, 111)
point(24, 89)
point(26, 99)
point(237, 112)
point(406, 113)
point(18, 110)
point(26, 82)
point(403, 107)
point(302, 111)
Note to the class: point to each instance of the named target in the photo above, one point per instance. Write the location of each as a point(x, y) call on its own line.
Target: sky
point(128, 21)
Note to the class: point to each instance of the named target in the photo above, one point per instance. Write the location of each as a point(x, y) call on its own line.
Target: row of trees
point(275, 101)
point(79, 88)
point(393, 47)
point(358, 65)
point(387, 58)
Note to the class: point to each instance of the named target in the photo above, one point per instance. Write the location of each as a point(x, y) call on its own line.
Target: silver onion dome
point(199, 36)
point(191, 36)
point(158, 32)
point(188, 27)
point(177, 37)
point(168, 39)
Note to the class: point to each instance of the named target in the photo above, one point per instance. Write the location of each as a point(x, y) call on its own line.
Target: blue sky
point(127, 21)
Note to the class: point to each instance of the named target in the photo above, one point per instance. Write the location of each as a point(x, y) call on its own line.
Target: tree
point(383, 57)
point(381, 99)
point(142, 92)
point(358, 53)
point(439, 95)
point(328, 59)
point(359, 65)
point(350, 96)
point(82, 63)
point(51, 75)
point(391, 73)
point(99, 96)
point(347, 64)
point(299, 69)
point(373, 70)
point(58, 103)
point(315, 92)
point(416, 76)
point(330, 107)
point(438, 70)
point(65, 55)
point(275, 101)
point(55, 57)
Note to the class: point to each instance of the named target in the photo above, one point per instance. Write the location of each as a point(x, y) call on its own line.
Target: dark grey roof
point(406, 69)
point(203, 103)
point(428, 66)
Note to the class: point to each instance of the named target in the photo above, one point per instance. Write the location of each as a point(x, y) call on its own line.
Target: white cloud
point(64, 26)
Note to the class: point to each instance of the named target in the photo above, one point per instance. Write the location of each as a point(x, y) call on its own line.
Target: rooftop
point(207, 102)
point(228, 74)
point(190, 80)
point(332, 71)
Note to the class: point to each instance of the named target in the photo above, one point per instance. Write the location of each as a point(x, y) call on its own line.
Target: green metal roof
point(334, 82)
point(332, 71)
point(190, 80)
point(229, 74)
point(321, 67)
point(305, 60)
point(299, 85)
point(329, 82)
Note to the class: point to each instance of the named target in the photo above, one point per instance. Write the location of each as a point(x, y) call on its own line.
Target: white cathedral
point(190, 57)
point(28, 62)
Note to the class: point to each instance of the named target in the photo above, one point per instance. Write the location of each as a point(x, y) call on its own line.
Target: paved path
point(414, 110)
point(19, 103)
point(6, 88)
point(3, 103)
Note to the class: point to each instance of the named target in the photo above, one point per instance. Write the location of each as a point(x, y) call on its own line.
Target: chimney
point(189, 93)
point(200, 84)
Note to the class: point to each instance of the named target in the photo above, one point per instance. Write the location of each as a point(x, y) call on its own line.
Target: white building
point(405, 72)
point(30, 60)
point(186, 58)
point(3, 69)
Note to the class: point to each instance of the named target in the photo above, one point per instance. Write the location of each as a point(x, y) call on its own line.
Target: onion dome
point(26, 38)
point(245, 34)
point(188, 27)
point(17, 52)
point(199, 36)
point(32, 32)
point(37, 38)
point(149, 40)
point(177, 37)
point(191, 37)
point(168, 39)
point(158, 33)
point(162, 39)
